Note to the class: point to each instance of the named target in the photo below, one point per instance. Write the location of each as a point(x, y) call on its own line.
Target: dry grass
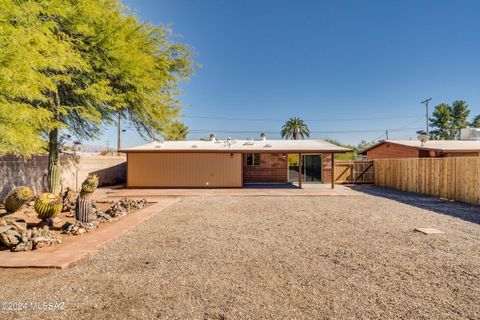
point(273, 257)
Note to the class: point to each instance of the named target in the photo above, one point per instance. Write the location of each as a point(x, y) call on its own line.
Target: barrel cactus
point(16, 198)
point(90, 184)
point(84, 204)
point(83, 207)
point(54, 179)
point(48, 205)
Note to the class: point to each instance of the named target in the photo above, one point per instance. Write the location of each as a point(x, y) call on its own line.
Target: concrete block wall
point(19, 171)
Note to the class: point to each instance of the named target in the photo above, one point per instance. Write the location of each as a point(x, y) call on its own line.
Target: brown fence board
point(450, 178)
point(354, 172)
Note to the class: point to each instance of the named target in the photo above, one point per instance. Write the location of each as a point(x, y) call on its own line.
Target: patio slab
point(76, 247)
point(250, 190)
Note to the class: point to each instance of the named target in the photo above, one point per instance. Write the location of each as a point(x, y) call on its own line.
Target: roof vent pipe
point(263, 136)
point(212, 137)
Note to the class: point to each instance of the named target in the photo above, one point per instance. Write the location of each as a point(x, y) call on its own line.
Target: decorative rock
point(10, 238)
point(15, 236)
point(4, 228)
point(69, 198)
point(23, 246)
point(118, 210)
point(20, 224)
point(78, 227)
point(123, 206)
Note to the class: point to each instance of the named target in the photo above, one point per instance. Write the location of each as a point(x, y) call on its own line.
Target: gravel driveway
point(327, 257)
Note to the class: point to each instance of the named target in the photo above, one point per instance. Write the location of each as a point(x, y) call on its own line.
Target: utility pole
point(425, 102)
point(386, 133)
point(118, 134)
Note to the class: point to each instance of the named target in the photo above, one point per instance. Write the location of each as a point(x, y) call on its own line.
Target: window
point(252, 159)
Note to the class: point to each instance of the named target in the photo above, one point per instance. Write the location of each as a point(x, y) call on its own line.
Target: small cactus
point(83, 207)
point(16, 198)
point(48, 205)
point(54, 179)
point(90, 184)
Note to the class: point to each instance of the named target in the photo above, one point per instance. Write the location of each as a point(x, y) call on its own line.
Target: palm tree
point(295, 128)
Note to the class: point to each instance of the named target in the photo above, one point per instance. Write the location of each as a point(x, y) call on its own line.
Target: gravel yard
point(341, 257)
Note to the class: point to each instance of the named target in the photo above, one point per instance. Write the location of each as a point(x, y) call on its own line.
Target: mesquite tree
point(75, 64)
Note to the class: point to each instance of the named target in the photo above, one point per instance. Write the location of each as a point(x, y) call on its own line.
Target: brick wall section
point(273, 168)
point(18, 171)
point(391, 150)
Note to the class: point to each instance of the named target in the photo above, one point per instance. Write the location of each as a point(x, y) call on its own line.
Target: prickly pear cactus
point(90, 184)
point(48, 205)
point(54, 179)
point(16, 198)
point(83, 207)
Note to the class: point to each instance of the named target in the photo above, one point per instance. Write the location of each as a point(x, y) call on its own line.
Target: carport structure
point(224, 163)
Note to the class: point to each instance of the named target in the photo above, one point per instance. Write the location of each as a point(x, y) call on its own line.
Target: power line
point(382, 131)
point(310, 120)
point(402, 127)
point(312, 131)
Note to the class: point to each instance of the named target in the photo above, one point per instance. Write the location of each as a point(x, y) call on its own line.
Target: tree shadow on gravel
point(467, 212)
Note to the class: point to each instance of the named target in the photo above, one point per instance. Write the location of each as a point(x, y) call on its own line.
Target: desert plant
point(90, 184)
point(295, 128)
point(83, 207)
point(48, 205)
point(16, 198)
point(54, 179)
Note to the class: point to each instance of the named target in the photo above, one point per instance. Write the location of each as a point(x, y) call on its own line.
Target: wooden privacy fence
point(450, 178)
point(354, 172)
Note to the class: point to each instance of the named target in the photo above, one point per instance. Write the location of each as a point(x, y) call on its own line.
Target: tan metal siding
point(184, 170)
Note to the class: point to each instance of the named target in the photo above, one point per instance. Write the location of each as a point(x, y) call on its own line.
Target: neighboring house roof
point(435, 145)
point(286, 146)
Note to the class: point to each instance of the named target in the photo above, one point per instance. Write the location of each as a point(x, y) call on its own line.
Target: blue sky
point(355, 67)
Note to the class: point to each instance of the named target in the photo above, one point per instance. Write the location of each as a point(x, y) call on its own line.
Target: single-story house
point(417, 149)
point(227, 163)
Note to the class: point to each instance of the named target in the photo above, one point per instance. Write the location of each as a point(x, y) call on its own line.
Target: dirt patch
point(269, 257)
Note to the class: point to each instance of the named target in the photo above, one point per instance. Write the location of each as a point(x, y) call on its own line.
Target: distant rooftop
point(287, 146)
point(436, 145)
